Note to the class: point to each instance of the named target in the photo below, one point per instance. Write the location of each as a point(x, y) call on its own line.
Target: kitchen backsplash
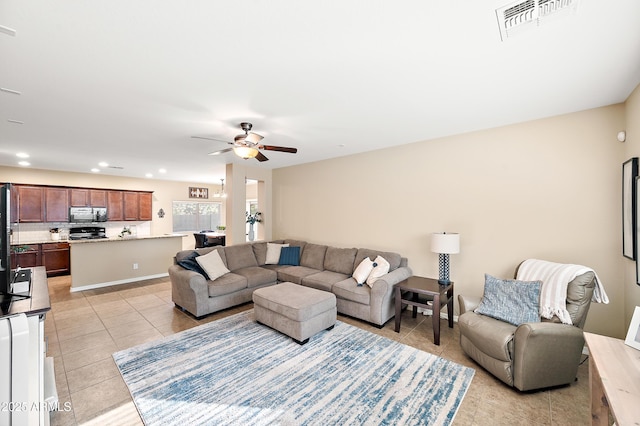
point(24, 233)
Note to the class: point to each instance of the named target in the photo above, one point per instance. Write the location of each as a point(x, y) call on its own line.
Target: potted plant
point(251, 220)
point(125, 232)
point(221, 228)
point(55, 234)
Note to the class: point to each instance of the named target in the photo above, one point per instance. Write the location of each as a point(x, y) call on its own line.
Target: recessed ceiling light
point(15, 121)
point(24, 163)
point(103, 164)
point(22, 155)
point(149, 175)
point(14, 92)
point(162, 170)
point(95, 170)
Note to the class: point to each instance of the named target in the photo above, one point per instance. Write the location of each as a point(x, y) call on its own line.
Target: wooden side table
point(614, 380)
point(418, 291)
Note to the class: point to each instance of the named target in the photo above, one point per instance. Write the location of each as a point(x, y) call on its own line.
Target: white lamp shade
point(446, 243)
point(245, 151)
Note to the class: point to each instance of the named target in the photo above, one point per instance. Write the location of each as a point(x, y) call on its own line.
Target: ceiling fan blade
point(222, 151)
point(279, 148)
point(261, 157)
point(253, 137)
point(211, 139)
point(206, 138)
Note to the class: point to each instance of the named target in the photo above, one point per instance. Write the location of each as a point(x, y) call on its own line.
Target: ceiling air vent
point(518, 16)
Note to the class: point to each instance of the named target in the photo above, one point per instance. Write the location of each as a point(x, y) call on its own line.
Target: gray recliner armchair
point(531, 355)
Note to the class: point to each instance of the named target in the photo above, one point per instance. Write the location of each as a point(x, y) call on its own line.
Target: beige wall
point(547, 189)
point(631, 149)
point(164, 192)
point(103, 263)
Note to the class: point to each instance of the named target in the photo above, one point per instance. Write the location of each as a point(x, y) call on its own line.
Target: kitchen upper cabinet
point(79, 197)
point(14, 203)
point(115, 207)
point(137, 205)
point(38, 204)
point(56, 204)
point(30, 203)
point(131, 205)
point(98, 198)
point(83, 197)
point(145, 200)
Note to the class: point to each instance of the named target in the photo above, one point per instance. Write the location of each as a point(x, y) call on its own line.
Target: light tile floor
point(84, 329)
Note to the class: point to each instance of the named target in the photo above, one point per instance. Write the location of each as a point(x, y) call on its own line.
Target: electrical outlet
point(135, 266)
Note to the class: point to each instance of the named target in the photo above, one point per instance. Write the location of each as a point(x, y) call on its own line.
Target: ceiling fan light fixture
point(245, 152)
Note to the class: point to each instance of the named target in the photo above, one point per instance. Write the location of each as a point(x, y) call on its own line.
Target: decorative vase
point(251, 233)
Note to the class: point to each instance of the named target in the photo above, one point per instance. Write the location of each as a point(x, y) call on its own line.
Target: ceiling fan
point(248, 145)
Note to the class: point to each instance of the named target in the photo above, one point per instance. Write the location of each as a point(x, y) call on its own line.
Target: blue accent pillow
point(289, 256)
point(512, 301)
point(191, 264)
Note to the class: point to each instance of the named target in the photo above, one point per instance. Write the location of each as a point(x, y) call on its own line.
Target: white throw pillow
point(363, 270)
point(212, 264)
point(380, 267)
point(273, 253)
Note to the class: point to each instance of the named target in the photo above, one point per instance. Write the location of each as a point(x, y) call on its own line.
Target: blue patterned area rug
point(236, 372)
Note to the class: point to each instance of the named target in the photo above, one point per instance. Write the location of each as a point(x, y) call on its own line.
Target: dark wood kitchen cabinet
point(115, 209)
point(30, 203)
point(145, 200)
point(42, 203)
point(25, 256)
point(83, 197)
point(137, 205)
point(98, 198)
point(14, 203)
point(131, 205)
point(55, 257)
point(56, 204)
point(79, 197)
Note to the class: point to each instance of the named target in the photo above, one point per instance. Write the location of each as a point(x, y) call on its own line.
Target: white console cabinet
point(29, 393)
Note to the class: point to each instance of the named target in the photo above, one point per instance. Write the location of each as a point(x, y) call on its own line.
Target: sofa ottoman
point(295, 310)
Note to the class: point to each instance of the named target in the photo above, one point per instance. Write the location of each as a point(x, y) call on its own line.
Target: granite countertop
point(99, 240)
point(111, 239)
point(29, 242)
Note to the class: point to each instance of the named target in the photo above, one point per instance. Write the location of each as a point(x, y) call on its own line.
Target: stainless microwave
point(87, 214)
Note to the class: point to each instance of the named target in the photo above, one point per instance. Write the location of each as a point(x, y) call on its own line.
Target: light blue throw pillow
point(512, 301)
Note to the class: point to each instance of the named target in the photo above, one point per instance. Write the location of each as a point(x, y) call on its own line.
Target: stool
point(295, 310)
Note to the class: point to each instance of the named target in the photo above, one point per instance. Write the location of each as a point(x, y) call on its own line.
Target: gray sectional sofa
point(322, 267)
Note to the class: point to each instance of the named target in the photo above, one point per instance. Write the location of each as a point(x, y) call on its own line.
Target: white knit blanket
point(555, 278)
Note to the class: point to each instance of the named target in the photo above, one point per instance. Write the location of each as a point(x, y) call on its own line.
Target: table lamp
point(444, 244)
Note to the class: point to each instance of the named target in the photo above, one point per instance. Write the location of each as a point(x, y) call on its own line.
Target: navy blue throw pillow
point(290, 256)
point(191, 264)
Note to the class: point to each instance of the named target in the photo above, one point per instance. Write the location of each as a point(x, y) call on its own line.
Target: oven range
point(87, 233)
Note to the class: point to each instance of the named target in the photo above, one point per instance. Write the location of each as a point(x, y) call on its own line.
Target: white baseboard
point(118, 282)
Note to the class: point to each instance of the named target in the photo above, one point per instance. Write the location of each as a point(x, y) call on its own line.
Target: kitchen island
point(110, 261)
